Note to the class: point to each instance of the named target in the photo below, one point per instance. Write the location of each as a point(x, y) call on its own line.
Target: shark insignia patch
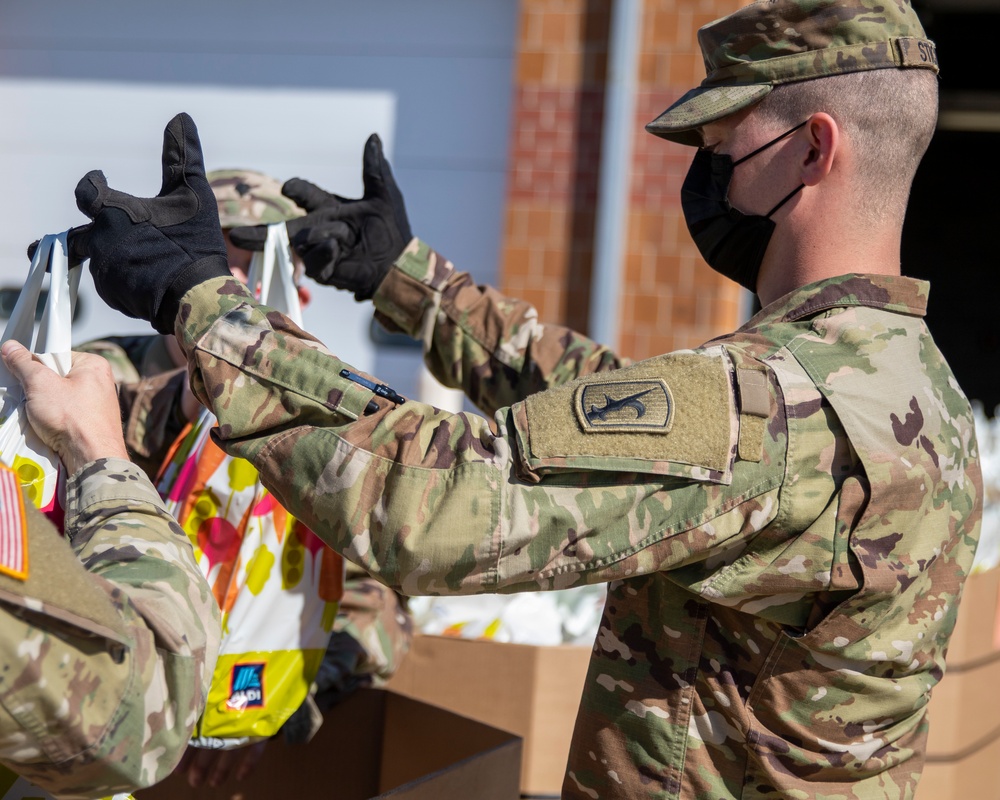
point(644, 406)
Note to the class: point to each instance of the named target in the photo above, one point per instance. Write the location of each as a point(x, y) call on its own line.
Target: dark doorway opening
point(952, 238)
point(952, 226)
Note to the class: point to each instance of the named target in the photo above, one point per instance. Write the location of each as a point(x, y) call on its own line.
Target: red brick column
point(670, 299)
point(555, 152)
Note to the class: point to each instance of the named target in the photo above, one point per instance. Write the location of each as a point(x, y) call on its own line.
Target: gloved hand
point(350, 244)
point(146, 253)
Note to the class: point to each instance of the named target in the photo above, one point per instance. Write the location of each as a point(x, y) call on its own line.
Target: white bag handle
point(55, 331)
point(55, 335)
point(273, 273)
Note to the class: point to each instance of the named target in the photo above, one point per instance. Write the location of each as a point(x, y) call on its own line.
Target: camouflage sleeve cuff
point(412, 288)
point(203, 304)
point(103, 485)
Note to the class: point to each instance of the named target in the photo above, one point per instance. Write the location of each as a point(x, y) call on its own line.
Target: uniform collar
point(888, 292)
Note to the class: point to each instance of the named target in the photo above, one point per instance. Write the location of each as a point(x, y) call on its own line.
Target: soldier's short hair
point(889, 115)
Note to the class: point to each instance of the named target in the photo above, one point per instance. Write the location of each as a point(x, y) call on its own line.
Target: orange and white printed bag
point(277, 583)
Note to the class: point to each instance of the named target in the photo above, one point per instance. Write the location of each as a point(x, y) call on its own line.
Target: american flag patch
point(13, 528)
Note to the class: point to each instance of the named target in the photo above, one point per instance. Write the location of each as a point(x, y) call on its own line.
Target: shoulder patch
point(625, 405)
point(13, 526)
point(670, 415)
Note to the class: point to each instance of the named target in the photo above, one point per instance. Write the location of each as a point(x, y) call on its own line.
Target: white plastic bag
point(271, 276)
point(277, 584)
point(566, 616)
point(37, 466)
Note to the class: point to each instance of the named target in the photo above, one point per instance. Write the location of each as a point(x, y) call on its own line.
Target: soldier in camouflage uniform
point(108, 637)
point(373, 629)
point(784, 516)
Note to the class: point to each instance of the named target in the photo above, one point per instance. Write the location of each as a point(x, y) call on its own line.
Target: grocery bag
point(278, 585)
point(41, 474)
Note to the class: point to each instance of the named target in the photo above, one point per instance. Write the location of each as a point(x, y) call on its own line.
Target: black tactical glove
point(350, 244)
point(146, 253)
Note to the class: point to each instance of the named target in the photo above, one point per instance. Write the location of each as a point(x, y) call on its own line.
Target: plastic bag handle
point(273, 273)
point(21, 323)
point(55, 332)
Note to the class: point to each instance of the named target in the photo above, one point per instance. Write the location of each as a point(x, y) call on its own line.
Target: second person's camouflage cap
point(772, 42)
point(248, 197)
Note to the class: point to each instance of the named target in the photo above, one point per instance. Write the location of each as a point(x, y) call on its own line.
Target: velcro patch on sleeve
point(625, 405)
point(671, 415)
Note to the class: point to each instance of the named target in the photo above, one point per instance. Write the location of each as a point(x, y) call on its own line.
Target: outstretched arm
point(476, 339)
point(125, 628)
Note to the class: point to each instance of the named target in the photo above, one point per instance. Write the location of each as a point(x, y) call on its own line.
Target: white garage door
point(447, 65)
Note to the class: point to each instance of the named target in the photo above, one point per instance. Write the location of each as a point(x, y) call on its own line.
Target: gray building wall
point(448, 63)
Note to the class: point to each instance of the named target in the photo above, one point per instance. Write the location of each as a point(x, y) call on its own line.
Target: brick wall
point(670, 299)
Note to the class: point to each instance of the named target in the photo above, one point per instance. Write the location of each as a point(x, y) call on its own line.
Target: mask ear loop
point(788, 197)
point(763, 147)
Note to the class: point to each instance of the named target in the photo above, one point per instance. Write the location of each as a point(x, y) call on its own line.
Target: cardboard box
point(965, 708)
point(531, 691)
point(977, 630)
point(964, 711)
point(973, 776)
point(377, 744)
point(963, 748)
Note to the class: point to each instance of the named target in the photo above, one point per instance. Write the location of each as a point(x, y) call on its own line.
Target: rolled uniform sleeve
point(117, 654)
point(491, 346)
point(438, 503)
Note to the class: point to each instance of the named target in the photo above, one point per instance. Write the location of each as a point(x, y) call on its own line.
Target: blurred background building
point(507, 123)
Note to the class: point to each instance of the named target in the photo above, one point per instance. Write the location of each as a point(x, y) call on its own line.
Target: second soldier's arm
point(120, 629)
point(153, 417)
point(491, 346)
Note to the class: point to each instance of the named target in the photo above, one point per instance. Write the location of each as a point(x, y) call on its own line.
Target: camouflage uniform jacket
point(784, 516)
point(108, 644)
point(375, 622)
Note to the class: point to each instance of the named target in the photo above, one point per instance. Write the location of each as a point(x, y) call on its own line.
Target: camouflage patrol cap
point(771, 42)
point(247, 197)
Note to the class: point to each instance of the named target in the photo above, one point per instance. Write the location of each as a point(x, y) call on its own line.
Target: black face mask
point(731, 242)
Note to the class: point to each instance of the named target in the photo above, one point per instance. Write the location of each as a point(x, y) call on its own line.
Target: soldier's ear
point(822, 136)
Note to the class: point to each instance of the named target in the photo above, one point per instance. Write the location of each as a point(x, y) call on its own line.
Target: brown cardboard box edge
point(963, 753)
point(977, 634)
point(532, 691)
point(377, 744)
point(964, 707)
point(974, 774)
